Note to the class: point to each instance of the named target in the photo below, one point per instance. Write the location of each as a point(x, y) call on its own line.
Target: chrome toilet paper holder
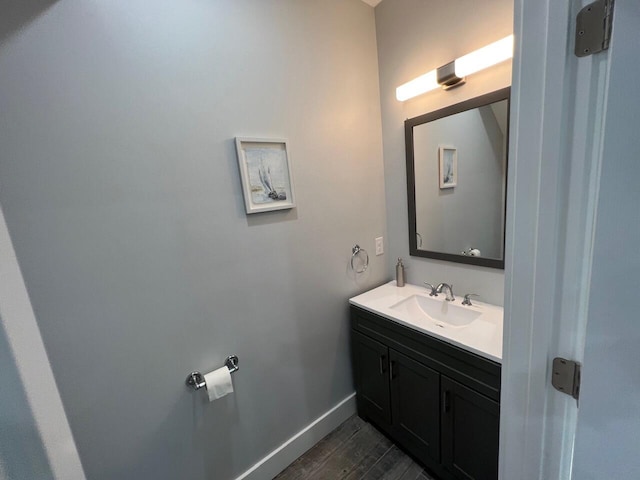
point(196, 381)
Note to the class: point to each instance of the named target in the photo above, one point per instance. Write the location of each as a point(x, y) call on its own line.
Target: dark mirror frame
point(498, 95)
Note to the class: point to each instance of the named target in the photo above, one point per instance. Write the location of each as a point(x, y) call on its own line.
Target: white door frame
point(554, 162)
point(18, 321)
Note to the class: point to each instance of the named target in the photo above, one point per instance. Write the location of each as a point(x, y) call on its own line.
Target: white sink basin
point(477, 328)
point(442, 313)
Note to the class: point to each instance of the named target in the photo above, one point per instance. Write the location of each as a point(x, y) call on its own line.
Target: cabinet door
point(371, 371)
point(415, 400)
point(470, 432)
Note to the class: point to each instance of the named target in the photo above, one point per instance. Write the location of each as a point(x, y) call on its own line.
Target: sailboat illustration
point(265, 178)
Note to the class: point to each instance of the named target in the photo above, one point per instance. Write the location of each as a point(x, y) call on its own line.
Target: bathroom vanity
point(427, 373)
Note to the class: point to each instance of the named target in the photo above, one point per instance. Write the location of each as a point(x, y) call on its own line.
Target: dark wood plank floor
point(354, 451)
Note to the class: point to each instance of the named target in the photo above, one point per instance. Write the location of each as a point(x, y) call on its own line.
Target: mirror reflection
point(456, 173)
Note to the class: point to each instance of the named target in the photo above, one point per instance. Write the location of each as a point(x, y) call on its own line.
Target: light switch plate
point(379, 246)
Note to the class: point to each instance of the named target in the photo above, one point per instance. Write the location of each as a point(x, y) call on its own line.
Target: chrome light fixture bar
point(453, 73)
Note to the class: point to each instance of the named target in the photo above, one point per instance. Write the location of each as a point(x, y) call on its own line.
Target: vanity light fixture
point(453, 73)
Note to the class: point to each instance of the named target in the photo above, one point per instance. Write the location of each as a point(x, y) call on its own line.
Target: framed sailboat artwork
point(448, 161)
point(265, 173)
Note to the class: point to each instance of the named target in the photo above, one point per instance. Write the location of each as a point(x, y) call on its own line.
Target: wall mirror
point(456, 181)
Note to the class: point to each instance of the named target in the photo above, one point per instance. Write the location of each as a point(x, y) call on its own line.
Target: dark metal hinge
point(566, 376)
point(593, 28)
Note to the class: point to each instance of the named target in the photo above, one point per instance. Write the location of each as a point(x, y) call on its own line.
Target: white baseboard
point(285, 454)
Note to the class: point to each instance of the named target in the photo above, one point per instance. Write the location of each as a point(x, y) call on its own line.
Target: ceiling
point(373, 3)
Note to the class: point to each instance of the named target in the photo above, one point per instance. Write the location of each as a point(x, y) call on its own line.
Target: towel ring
point(356, 251)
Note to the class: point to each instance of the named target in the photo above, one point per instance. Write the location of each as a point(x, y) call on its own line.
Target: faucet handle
point(467, 299)
point(433, 289)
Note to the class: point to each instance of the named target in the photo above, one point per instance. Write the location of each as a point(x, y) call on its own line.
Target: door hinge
point(593, 28)
point(565, 376)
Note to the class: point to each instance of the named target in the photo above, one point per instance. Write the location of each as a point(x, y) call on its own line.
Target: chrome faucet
point(432, 289)
point(448, 289)
point(467, 299)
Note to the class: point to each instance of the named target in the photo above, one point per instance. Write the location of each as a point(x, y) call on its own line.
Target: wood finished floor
point(354, 451)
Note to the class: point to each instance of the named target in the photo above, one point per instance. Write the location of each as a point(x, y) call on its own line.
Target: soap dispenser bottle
point(399, 273)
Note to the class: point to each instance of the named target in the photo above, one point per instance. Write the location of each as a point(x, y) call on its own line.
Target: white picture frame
point(265, 173)
point(448, 170)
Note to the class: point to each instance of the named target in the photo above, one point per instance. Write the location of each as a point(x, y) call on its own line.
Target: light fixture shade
point(492, 54)
point(417, 86)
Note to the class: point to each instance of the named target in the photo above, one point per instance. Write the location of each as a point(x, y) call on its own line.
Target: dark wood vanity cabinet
point(371, 367)
point(470, 423)
point(439, 402)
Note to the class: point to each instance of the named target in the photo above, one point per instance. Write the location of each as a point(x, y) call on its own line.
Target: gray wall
point(470, 214)
point(119, 182)
point(414, 37)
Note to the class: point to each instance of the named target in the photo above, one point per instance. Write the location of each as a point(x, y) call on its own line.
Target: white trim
point(554, 159)
point(19, 322)
point(302, 441)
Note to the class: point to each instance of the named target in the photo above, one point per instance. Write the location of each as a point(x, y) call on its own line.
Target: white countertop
point(482, 336)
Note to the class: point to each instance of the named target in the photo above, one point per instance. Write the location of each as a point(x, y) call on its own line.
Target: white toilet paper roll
point(218, 383)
